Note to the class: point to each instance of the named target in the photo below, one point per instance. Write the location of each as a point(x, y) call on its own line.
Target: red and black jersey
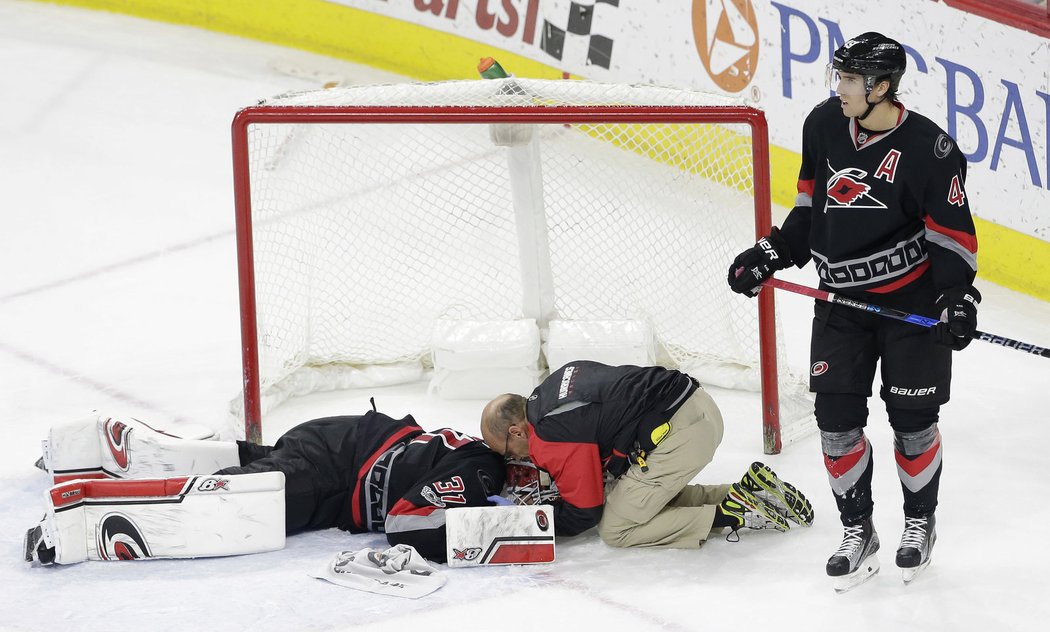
point(876, 211)
point(436, 471)
point(586, 418)
point(374, 473)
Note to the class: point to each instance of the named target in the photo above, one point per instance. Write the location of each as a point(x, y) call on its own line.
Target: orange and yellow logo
point(726, 36)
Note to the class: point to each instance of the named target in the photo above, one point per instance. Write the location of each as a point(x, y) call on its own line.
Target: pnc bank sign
point(726, 36)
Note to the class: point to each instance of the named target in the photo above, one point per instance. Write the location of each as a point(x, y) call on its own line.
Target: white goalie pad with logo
point(505, 534)
point(195, 516)
point(103, 446)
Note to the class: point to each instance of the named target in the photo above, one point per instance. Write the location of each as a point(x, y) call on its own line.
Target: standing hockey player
point(649, 429)
point(882, 211)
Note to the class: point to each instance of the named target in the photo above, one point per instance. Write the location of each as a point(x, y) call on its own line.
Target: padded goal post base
point(196, 516)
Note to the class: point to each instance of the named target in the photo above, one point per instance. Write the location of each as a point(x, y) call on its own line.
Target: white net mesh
point(365, 233)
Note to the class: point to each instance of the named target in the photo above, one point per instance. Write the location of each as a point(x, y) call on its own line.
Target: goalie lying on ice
point(200, 498)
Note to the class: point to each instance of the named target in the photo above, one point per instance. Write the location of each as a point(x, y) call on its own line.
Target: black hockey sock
point(847, 457)
point(919, 465)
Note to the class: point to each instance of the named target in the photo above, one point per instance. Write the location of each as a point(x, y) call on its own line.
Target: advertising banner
point(985, 83)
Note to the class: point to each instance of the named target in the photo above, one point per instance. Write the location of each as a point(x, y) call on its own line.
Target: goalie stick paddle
point(888, 312)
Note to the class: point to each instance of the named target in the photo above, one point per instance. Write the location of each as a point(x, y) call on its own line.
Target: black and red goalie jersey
point(877, 210)
point(371, 472)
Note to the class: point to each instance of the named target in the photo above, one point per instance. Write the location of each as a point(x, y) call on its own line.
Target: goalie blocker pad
point(521, 534)
point(196, 516)
point(101, 446)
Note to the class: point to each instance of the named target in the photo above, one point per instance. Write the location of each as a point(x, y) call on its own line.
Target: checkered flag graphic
point(573, 30)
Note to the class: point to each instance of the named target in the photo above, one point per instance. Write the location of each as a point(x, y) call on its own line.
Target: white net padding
point(365, 233)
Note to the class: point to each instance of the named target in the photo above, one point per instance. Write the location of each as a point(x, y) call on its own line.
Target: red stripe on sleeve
point(963, 238)
point(806, 186)
point(404, 507)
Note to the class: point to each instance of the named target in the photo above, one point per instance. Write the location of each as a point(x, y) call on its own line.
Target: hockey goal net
point(365, 213)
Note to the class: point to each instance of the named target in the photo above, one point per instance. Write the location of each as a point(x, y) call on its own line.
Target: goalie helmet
point(527, 484)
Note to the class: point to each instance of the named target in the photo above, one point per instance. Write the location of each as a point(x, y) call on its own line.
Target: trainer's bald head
point(500, 416)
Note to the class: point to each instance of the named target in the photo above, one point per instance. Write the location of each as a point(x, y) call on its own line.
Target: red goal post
point(403, 172)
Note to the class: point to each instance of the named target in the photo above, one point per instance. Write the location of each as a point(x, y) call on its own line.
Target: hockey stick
point(922, 321)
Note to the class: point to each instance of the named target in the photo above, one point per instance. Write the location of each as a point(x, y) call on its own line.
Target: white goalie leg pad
point(519, 534)
point(130, 448)
point(72, 451)
point(196, 516)
point(102, 446)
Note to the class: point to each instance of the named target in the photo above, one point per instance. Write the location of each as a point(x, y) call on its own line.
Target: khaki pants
point(660, 507)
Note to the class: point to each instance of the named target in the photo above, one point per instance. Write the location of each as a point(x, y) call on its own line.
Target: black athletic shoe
point(789, 502)
point(750, 511)
point(916, 547)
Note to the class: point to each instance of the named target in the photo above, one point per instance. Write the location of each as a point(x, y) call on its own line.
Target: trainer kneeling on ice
point(649, 430)
point(359, 473)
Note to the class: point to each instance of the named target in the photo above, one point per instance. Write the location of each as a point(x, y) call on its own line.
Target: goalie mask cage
point(366, 213)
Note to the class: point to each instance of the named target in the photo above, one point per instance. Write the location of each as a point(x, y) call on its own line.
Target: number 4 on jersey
point(955, 193)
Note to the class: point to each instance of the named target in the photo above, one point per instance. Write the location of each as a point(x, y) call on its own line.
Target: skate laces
point(851, 541)
point(914, 532)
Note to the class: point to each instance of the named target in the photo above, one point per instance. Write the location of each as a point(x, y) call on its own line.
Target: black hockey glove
point(758, 263)
point(958, 317)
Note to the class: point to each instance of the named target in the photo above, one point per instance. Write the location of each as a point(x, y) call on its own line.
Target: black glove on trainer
point(958, 307)
point(758, 263)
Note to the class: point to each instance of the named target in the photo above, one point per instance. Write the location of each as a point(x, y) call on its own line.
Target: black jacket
point(586, 419)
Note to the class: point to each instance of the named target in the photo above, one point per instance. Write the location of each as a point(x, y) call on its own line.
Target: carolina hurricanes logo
point(118, 538)
point(846, 189)
point(466, 554)
point(117, 439)
point(819, 368)
point(541, 520)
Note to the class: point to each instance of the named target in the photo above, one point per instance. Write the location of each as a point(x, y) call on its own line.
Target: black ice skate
point(764, 483)
point(35, 548)
point(916, 545)
point(855, 562)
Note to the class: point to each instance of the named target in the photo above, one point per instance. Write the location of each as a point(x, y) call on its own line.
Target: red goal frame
point(263, 115)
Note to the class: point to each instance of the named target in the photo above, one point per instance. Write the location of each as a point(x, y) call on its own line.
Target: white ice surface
point(118, 292)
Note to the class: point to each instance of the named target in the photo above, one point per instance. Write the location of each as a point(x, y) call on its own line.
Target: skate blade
point(909, 574)
point(868, 569)
point(29, 544)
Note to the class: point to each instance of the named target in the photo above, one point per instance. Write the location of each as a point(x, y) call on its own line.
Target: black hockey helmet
point(874, 56)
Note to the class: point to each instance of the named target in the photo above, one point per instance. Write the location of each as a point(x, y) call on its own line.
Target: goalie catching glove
point(958, 307)
point(758, 263)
